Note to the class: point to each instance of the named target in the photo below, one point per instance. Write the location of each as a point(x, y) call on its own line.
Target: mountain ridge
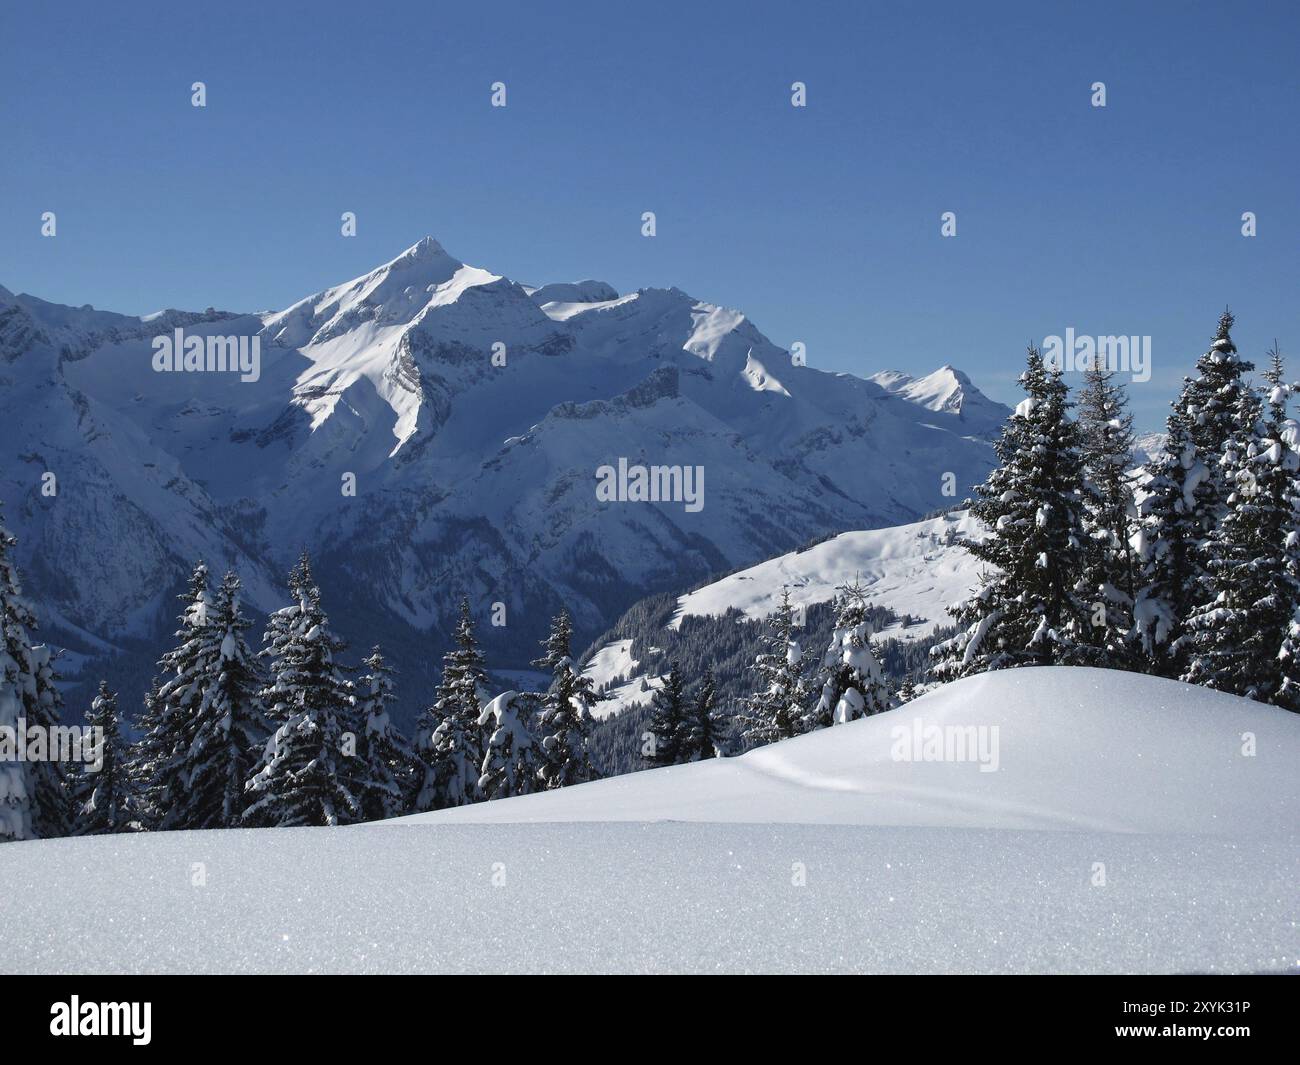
point(471, 419)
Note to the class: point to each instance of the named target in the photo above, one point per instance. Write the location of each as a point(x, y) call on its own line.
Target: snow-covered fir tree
point(776, 710)
point(852, 682)
point(1212, 402)
point(512, 760)
point(104, 800)
point(34, 799)
point(388, 777)
point(907, 690)
point(172, 705)
point(1166, 548)
point(224, 736)
point(1185, 501)
point(565, 712)
point(206, 727)
point(307, 775)
point(52, 813)
point(1107, 584)
point(1026, 612)
point(669, 722)
point(449, 742)
point(706, 729)
point(1238, 631)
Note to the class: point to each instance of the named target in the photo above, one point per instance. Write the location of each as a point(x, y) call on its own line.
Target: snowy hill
point(1077, 750)
point(916, 570)
point(1124, 830)
point(474, 475)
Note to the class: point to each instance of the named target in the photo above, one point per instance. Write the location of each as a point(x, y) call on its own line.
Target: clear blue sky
point(821, 223)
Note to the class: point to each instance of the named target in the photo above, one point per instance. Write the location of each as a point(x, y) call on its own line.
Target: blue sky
point(822, 223)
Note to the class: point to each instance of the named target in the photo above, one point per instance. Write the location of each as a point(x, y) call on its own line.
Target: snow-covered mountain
point(473, 413)
point(1124, 829)
point(948, 392)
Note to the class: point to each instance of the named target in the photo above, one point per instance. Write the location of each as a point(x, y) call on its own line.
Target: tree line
point(1190, 571)
point(793, 691)
point(281, 736)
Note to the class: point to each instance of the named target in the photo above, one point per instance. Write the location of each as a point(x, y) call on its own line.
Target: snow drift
point(1126, 828)
point(1063, 748)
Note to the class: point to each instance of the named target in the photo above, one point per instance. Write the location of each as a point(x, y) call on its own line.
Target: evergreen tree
point(907, 690)
point(1212, 401)
point(449, 742)
point(307, 774)
point(33, 795)
point(388, 777)
point(1167, 542)
point(1027, 612)
point(223, 739)
point(1237, 633)
point(852, 682)
point(52, 811)
point(776, 710)
point(104, 800)
point(512, 760)
point(171, 707)
point(1108, 581)
point(705, 728)
point(206, 724)
point(565, 712)
point(669, 721)
point(1186, 501)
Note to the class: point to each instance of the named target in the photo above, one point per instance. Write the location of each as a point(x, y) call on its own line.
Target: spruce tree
point(776, 711)
point(1212, 402)
point(387, 758)
point(104, 800)
point(512, 759)
point(669, 721)
point(33, 798)
point(223, 738)
point(1238, 631)
point(307, 774)
point(852, 682)
point(1167, 549)
point(705, 727)
point(565, 712)
point(52, 811)
point(206, 727)
point(1026, 612)
point(1108, 581)
point(172, 706)
point(449, 742)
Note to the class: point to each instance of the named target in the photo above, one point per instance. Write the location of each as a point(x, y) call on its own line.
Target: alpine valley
point(431, 430)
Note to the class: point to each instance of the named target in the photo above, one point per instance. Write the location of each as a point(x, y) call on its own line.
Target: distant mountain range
point(470, 415)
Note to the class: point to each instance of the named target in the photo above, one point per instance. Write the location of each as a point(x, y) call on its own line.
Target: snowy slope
point(1078, 750)
point(918, 569)
point(815, 855)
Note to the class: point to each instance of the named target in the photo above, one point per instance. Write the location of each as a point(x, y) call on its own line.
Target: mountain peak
point(947, 390)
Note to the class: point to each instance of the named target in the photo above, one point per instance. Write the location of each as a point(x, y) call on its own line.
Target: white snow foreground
point(1124, 829)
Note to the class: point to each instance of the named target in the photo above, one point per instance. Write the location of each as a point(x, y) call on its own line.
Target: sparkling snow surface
point(818, 854)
